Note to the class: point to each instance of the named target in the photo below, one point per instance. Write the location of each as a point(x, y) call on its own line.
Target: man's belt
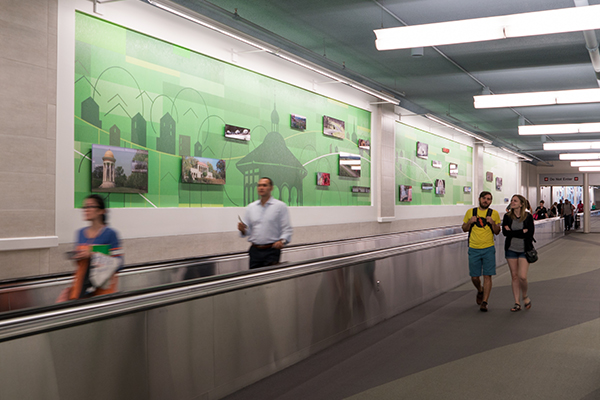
point(263, 246)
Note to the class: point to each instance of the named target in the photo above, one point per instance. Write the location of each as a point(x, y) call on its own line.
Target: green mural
point(431, 170)
point(499, 177)
point(135, 91)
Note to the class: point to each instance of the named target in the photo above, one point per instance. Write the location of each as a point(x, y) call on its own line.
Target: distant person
point(580, 207)
point(553, 210)
point(567, 213)
point(96, 238)
point(518, 227)
point(559, 208)
point(267, 225)
point(541, 211)
point(482, 223)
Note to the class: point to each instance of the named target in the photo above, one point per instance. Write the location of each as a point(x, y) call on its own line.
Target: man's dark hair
point(269, 179)
point(485, 193)
point(541, 201)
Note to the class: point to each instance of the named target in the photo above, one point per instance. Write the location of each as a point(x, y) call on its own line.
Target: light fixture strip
point(589, 169)
point(575, 96)
point(579, 156)
point(514, 153)
point(274, 51)
point(546, 22)
point(572, 146)
point(456, 128)
point(559, 129)
point(585, 163)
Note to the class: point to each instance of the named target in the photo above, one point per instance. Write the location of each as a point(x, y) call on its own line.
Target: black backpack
point(481, 222)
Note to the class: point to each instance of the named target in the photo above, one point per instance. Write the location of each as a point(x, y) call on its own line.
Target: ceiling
point(338, 34)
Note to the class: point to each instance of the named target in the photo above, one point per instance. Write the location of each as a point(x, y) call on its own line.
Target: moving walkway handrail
point(80, 312)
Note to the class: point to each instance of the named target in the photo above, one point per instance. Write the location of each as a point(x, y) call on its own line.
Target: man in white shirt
point(267, 225)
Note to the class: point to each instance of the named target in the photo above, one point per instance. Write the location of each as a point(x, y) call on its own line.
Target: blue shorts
point(482, 261)
point(514, 254)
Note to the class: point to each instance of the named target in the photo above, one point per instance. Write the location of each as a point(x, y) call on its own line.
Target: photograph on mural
point(467, 189)
point(237, 133)
point(203, 170)
point(334, 127)
point(426, 186)
point(298, 122)
point(489, 176)
point(422, 150)
point(323, 179)
point(119, 170)
point(350, 165)
point(364, 144)
point(436, 164)
point(361, 189)
point(405, 193)
point(174, 103)
point(499, 184)
point(453, 170)
point(440, 187)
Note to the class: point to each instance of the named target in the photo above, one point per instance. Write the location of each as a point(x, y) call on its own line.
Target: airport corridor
point(447, 349)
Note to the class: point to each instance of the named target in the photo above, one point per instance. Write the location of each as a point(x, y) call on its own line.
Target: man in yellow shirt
point(482, 254)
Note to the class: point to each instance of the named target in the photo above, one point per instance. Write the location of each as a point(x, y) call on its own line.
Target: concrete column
point(385, 153)
point(478, 172)
point(586, 203)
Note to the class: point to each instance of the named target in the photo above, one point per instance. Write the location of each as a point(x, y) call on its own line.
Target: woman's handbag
point(102, 268)
point(531, 255)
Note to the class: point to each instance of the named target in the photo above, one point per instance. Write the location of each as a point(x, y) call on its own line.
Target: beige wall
point(28, 37)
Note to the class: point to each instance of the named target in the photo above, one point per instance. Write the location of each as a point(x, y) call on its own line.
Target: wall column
point(586, 203)
point(385, 151)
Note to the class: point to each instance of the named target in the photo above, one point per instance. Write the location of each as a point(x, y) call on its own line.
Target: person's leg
point(487, 287)
point(272, 256)
point(513, 265)
point(523, 269)
point(475, 262)
point(256, 258)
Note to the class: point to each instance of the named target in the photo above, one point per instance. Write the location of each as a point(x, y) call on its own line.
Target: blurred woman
point(96, 238)
point(518, 228)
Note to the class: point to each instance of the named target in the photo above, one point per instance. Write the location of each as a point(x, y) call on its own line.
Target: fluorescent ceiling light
point(456, 128)
point(559, 129)
point(572, 146)
point(579, 156)
point(514, 153)
point(491, 28)
point(585, 163)
point(576, 96)
point(272, 50)
point(589, 169)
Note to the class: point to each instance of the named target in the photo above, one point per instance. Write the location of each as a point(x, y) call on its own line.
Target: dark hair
point(485, 193)
point(100, 202)
point(542, 201)
point(269, 179)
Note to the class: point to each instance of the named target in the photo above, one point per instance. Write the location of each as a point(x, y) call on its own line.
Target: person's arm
point(466, 226)
point(245, 226)
point(495, 223)
point(285, 228)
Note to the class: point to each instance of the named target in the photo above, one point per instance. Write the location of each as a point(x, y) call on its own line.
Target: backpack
point(481, 222)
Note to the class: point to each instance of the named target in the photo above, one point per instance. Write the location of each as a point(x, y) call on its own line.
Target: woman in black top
point(518, 228)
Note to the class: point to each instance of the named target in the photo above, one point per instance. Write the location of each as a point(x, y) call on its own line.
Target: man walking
point(267, 225)
point(482, 223)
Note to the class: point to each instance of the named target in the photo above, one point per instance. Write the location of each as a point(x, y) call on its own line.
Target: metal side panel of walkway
point(447, 349)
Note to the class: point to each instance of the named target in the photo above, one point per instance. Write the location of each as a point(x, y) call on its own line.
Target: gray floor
point(448, 349)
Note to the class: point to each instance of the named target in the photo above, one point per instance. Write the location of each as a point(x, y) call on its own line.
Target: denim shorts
point(514, 254)
point(482, 261)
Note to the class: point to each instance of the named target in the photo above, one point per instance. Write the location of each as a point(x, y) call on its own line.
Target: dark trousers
point(263, 257)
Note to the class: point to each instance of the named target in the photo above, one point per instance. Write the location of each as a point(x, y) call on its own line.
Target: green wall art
point(139, 92)
point(435, 168)
point(504, 172)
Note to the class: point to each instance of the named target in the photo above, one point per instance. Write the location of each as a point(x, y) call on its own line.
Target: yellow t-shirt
point(482, 238)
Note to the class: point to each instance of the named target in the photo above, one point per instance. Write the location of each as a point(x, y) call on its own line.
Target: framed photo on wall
point(422, 150)
point(453, 170)
point(489, 176)
point(405, 193)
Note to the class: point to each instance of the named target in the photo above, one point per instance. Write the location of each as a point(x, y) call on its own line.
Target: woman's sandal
point(483, 306)
point(528, 305)
point(517, 307)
